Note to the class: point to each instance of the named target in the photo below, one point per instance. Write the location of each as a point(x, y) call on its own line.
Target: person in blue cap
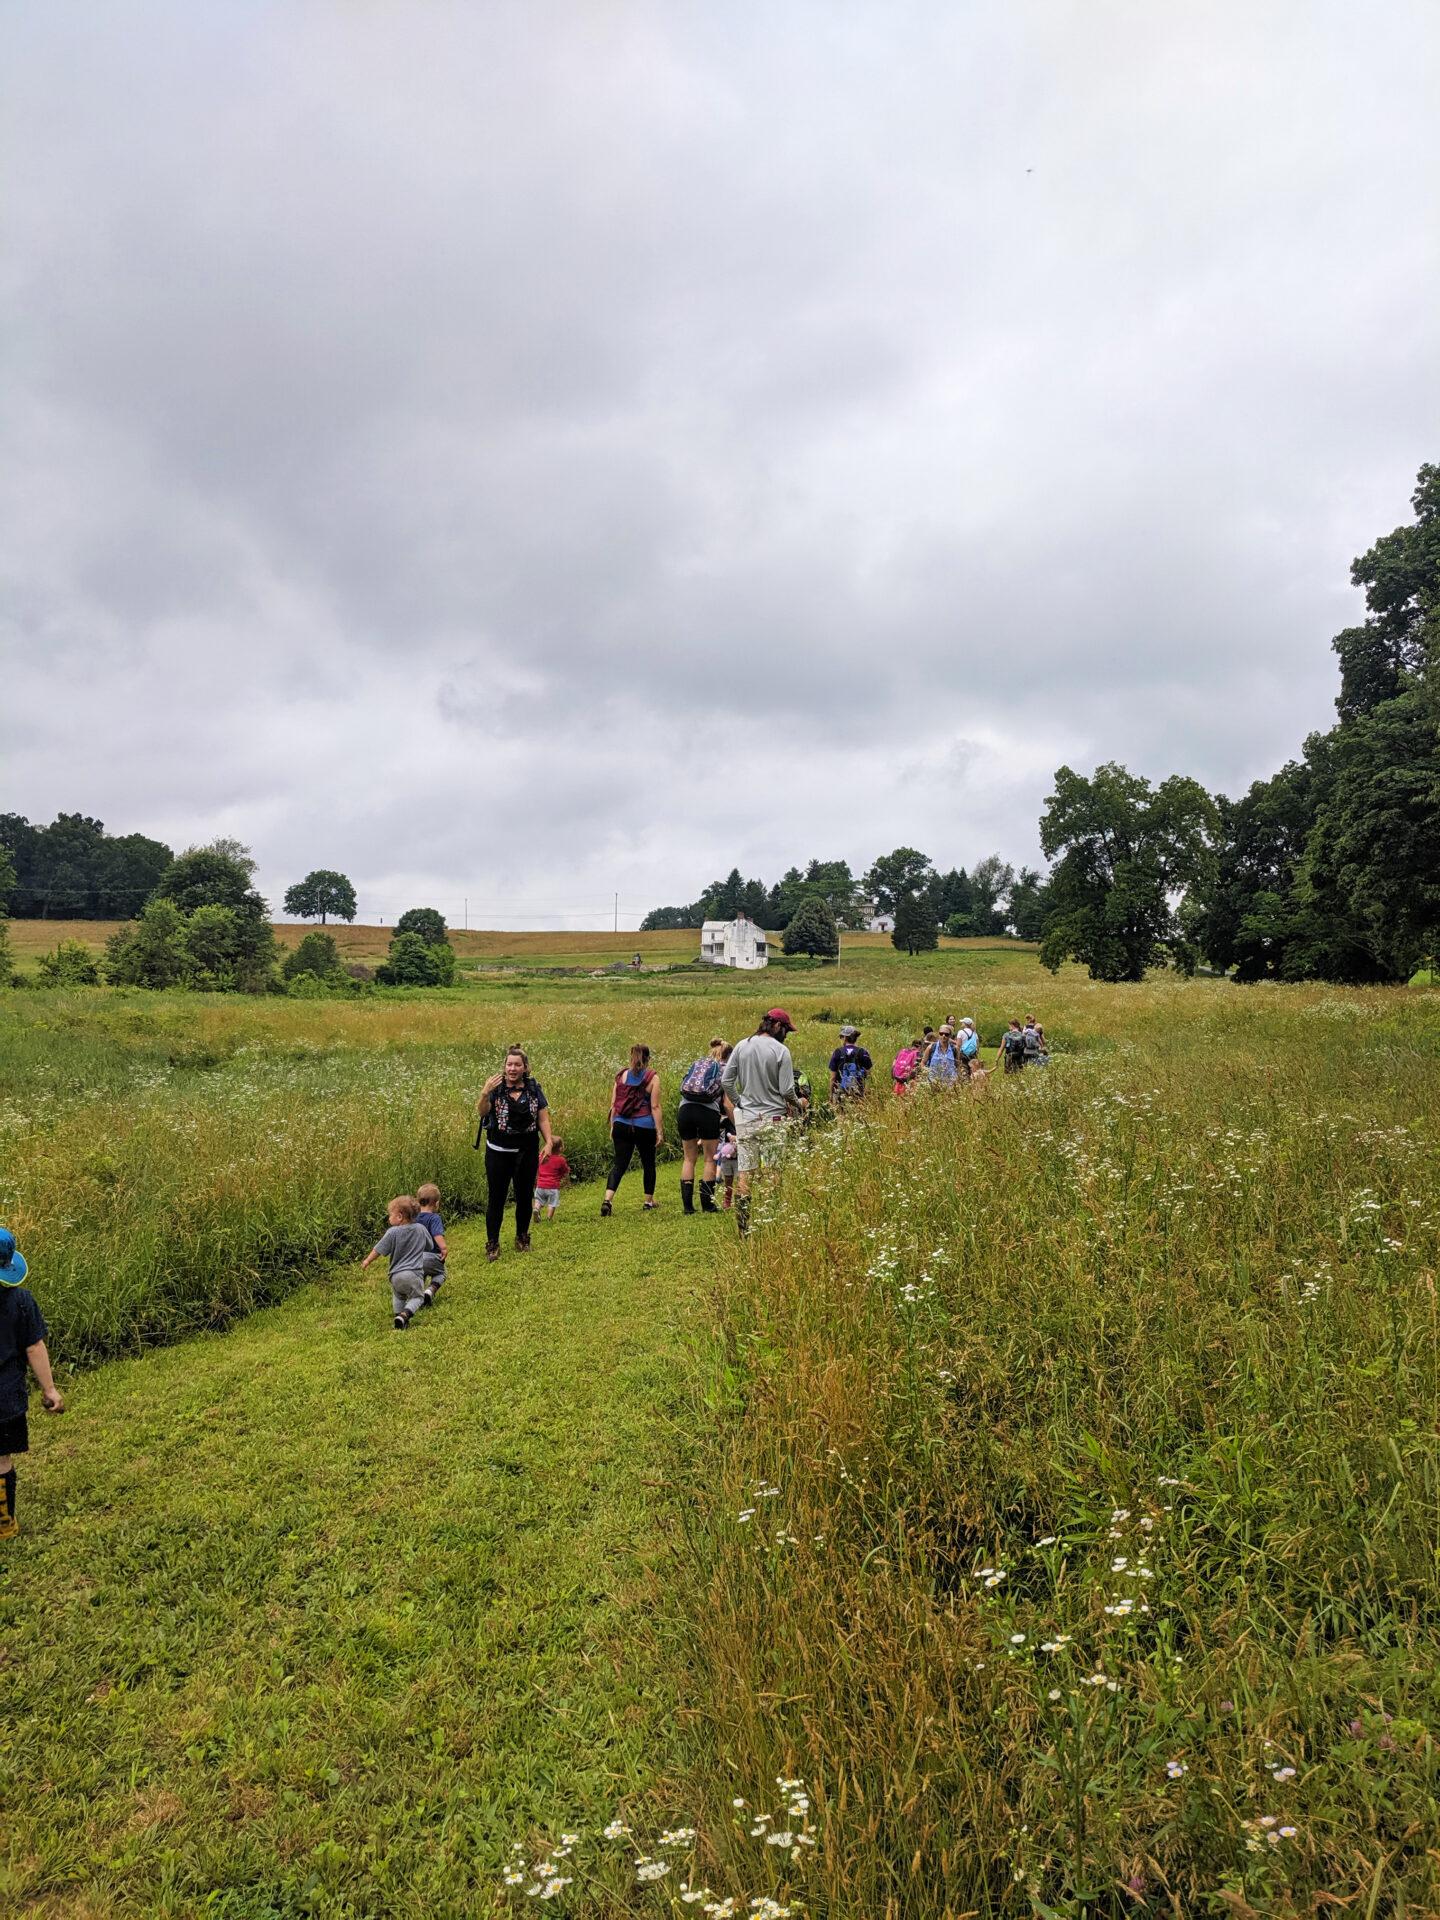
point(22, 1343)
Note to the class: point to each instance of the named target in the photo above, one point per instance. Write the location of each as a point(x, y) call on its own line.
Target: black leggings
point(501, 1169)
point(629, 1140)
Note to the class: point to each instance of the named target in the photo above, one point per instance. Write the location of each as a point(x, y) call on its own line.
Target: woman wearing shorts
point(514, 1118)
point(702, 1106)
point(635, 1126)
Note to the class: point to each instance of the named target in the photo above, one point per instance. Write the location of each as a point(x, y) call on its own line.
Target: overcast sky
point(527, 451)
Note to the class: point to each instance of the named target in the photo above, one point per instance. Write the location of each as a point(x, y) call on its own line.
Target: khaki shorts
point(760, 1143)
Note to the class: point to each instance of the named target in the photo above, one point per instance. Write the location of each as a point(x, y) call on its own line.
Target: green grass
point(316, 1618)
point(327, 1652)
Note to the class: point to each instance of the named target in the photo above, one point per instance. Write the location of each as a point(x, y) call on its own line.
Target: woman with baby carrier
point(702, 1108)
point(635, 1126)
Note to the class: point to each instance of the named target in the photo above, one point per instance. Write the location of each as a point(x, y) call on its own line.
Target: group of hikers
point(737, 1107)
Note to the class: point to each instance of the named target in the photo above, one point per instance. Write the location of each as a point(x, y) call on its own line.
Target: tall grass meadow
point(1081, 1480)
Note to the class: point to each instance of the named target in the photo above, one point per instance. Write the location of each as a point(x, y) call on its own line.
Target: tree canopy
point(74, 870)
point(1125, 851)
point(320, 894)
point(427, 922)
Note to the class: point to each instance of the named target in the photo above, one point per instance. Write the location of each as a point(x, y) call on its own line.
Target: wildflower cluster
point(786, 1834)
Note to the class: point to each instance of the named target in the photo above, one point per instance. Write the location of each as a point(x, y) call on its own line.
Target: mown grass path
point(315, 1618)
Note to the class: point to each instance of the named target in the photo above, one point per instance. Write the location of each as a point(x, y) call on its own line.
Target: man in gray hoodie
point(759, 1083)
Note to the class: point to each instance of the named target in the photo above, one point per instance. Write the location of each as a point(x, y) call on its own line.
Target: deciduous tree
point(320, 894)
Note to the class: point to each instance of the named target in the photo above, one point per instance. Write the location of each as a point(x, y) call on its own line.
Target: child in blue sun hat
point(22, 1343)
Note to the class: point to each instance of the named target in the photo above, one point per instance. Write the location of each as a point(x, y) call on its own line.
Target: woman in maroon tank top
point(635, 1125)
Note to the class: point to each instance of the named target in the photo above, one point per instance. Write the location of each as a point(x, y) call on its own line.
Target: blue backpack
point(970, 1045)
point(703, 1080)
point(851, 1078)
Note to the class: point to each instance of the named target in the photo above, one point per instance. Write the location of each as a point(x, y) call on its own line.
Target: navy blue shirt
point(21, 1325)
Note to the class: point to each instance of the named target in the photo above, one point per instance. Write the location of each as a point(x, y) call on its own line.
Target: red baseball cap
point(778, 1017)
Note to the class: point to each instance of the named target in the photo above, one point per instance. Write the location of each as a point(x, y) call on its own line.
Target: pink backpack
point(906, 1061)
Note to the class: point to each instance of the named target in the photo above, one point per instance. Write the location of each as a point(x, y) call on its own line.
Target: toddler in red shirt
point(553, 1173)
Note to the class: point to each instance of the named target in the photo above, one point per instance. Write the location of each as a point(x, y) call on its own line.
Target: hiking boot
point(427, 1298)
point(492, 1249)
point(687, 1195)
point(402, 1320)
point(707, 1197)
point(604, 1209)
point(522, 1243)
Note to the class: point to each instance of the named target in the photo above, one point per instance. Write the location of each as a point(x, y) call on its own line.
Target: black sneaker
point(427, 1298)
point(402, 1320)
point(604, 1209)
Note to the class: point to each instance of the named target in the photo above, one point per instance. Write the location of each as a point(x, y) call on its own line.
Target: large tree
point(1372, 862)
point(990, 883)
point(1246, 914)
point(1029, 896)
point(213, 876)
point(127, 871)
point(1126, 851)
point(898, 875)
point(1399, 643)
point(915, 929)
point(812, 929)
point(320, 894)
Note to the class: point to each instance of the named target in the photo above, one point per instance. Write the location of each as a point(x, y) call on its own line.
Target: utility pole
point(617, 913)
point(467, 913)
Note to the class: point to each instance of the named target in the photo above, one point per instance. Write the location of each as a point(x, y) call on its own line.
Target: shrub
point(316, 954)
point(7, 964)
point(71, 965)
point(150, 951)
point(411, 963)
point(305, 985)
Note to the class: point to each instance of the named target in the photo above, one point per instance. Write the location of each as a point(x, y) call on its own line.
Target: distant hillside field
point(367, 944)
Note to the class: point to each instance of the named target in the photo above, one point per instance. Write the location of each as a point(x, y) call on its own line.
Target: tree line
point(1327, 870)
point(990, 899)
point(203, 925)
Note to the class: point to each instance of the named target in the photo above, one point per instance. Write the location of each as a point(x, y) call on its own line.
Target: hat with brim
point(12, 1262)
point(778, 1017)
point(849, 1033)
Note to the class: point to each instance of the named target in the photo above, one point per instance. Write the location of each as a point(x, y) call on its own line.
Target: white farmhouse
point(880, 923)
point(734, 943)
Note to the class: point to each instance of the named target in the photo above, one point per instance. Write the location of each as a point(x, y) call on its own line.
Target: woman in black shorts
point(702, 1106)
point(514, 1118)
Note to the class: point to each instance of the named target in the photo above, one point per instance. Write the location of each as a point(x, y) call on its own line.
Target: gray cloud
point(534, 450)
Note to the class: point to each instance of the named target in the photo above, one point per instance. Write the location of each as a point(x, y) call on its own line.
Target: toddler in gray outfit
point(405, 1243)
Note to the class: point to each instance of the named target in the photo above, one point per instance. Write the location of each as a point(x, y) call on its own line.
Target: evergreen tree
point(915, 929)
point(812, 929)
